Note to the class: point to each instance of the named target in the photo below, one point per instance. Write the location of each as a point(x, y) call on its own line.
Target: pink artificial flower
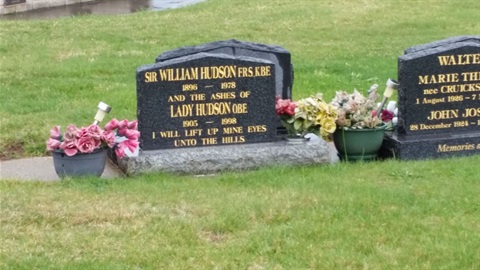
point(132, 125)
point(123, 124)
point(95, 132)
point(109, 138)
point(132, 134)
point(55, 132)
point(113, 124)
point(71, 133)
point(387, 116)
point(89, 138)
point(130, 144)
point(82, 132)
point(122, 131)
point(87, 144)
point(69, 147)
point(69, 144)
point(285, 106)
point(122, 127)
point(53, 144)
point(290, 110)
point(120, 150)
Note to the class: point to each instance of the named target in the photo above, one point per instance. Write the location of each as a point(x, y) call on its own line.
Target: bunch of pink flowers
point(285, 107)
point(119, 135)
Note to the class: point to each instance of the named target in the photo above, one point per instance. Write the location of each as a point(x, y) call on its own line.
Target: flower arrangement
point(308, 115)
point(285, 108)
point(118, 135)
point(389, 115)
point(355, 110)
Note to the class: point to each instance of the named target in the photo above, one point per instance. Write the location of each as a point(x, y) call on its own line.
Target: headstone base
point(214, 159)
point(426, 146)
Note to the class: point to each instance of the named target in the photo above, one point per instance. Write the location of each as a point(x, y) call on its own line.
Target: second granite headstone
point(438, 100)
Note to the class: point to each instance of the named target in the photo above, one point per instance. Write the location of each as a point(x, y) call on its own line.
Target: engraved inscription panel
point(440, 92)
point(206, 100)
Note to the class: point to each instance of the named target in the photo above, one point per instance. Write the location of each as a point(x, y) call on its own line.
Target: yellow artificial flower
point(320, 117)
point(329, 125)
point(325, 135)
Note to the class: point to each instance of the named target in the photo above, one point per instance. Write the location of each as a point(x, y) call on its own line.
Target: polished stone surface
point(206, 99)
point(438, 101)
point(436, 81)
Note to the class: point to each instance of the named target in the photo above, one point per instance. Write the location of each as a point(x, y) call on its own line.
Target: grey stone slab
point(42, 169)
point(56, 3)
point(39, 5)
point(214, 159)
point(72, 2)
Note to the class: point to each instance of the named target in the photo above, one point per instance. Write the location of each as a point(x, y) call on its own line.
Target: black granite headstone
point(206, 99)
point(438, 100)
point(276, 54)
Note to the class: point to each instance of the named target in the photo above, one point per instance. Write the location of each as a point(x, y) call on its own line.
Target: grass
point(397, 215)
point(54, 72)
point(383, 215)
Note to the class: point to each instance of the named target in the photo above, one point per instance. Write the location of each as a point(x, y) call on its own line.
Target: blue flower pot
point(80, 165)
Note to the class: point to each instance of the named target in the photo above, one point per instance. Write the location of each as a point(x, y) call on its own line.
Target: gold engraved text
point(443, 114)
point(460, 59)
point(438, 78)
point(471, 112)
point(455, 148)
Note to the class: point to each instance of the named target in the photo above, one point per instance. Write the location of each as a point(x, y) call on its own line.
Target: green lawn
point(389, 215)
point(381, 215)
point(55, 72)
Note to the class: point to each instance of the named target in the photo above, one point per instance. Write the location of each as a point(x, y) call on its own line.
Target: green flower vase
point(358, 144)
